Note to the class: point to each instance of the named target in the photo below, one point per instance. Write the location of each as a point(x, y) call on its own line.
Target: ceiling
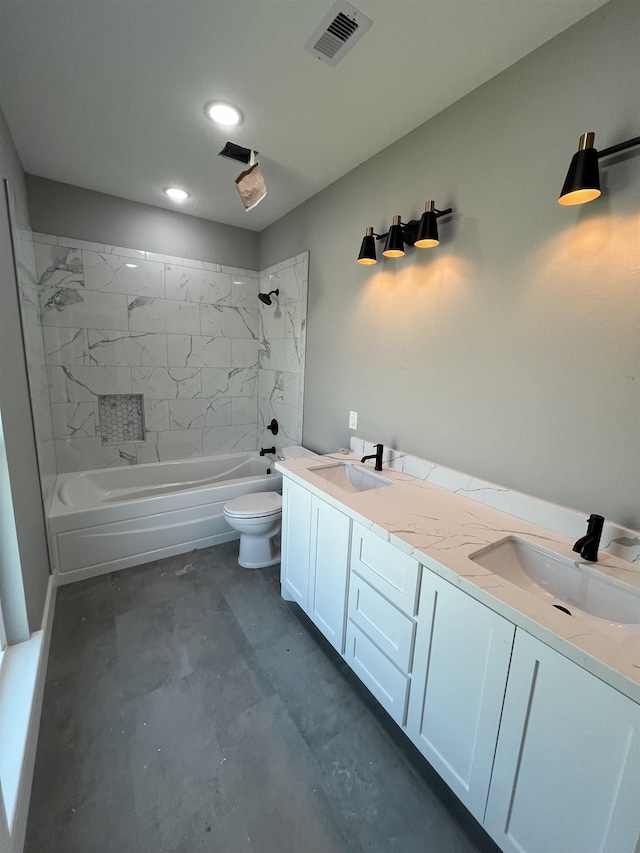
point(110, 94)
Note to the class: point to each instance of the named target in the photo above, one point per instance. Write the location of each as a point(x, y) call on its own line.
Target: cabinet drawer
point(386, 569)
point(376, 671)
point(390, 630)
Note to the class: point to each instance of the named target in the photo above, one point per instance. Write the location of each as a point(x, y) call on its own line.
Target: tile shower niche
point(121, 418)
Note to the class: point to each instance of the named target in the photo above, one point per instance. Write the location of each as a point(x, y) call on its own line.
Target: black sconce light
point(421, 233)
point(582, 183)
point(394, 247)
point(367, 254)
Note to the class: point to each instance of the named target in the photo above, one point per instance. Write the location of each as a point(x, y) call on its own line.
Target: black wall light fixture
point(421, 233)
point(582, 183)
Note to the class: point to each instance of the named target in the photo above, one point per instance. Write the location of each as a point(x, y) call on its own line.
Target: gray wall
point(511, 351)
point(69, 211)
point(14, 403)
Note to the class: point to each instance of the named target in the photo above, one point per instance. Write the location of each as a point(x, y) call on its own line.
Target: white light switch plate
point(353, 420)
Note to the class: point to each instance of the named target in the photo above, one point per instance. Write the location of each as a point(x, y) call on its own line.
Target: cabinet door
point(567, 765)
point(330, 530)
point(459, 675)
point(376, 671)
point(296, 543)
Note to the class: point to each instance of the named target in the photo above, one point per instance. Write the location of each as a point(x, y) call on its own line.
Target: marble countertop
point(440, 529)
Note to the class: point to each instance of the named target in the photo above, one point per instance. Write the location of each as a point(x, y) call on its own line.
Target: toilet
point(257, 517)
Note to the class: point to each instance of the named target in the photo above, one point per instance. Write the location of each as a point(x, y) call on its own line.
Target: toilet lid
point(257, 504)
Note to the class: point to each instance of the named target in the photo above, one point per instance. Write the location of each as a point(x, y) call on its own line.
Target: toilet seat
point(257, 505)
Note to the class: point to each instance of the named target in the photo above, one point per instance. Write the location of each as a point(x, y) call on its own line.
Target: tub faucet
point(265, 450)
point(377, 456)
point(587, 546)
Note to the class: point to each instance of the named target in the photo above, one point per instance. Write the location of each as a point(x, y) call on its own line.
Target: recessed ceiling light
point(176, 194)
point(223, 113)
point(133, 266)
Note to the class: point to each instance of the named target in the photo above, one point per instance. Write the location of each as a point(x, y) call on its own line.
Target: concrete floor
point(188, 708)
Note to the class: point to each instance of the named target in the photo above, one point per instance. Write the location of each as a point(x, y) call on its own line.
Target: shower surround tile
point(197, 285)
point(189, 335)
point(73, 420)
point(280, 354)
point(244, 352)
point(236, 382)
point(244, 291)
point(167, 446)
point(85, 454)
point(58, 266)
point(166, 383)
point(111, 273)
point(187, 414)
point(244, 410)
point(65, 346)
point(156, 415)
point(75, 308)
point(230, 439)
point(198, 351)
point(281, 350)
point(163, 315)
point(125, 252)
point(128, 349)
point(83, 384)
point(279, 387)
point(229, 322)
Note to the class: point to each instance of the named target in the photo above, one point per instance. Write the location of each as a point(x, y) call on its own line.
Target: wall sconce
point(582, 183)
point(421, 233)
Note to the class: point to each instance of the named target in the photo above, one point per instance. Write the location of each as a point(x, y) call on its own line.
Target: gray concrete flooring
point(188, 708)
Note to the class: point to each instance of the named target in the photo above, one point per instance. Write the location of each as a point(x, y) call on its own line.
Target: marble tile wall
point(617, 540)
point(281, 357)
point(24, 255)
point(188, 335)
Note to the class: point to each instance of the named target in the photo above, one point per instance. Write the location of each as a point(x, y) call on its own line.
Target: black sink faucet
point(587, 546)
point(377, 456)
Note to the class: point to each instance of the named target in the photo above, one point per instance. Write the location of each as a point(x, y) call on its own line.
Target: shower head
point(266, 297)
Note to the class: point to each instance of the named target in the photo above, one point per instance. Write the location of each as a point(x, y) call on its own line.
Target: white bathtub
point(113, 518)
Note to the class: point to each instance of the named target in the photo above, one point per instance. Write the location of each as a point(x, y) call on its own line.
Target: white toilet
point(257, 518)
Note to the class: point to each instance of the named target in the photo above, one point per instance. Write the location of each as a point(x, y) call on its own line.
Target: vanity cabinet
point(315, 559)
point(545, 755)
point(383, 592)
point(567, 767)
point(460, 667)
point(295, 559)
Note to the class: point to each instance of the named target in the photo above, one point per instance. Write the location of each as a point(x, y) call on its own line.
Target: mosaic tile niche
point(191, 337)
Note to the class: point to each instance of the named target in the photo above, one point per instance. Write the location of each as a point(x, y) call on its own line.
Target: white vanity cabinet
point(295, 559)
point(566, 777)
point(315, 559)
point(460, 667)
point(383, 592)
point(543, 753)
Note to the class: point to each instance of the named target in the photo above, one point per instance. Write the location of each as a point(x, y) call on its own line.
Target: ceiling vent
point(337, 33)
point(236, 152)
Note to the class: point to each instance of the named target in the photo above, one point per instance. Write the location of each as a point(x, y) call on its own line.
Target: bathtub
point(109, 519)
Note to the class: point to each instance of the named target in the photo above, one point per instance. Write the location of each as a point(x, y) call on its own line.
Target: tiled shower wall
point(282, 352)
point(182, 333)
point(23, 249)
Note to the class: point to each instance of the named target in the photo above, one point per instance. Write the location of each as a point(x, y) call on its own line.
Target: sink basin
point(351, 478)
point(561, 581)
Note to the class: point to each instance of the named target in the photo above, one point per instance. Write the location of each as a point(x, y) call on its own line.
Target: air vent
point(236, 152)
point(337, 33)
